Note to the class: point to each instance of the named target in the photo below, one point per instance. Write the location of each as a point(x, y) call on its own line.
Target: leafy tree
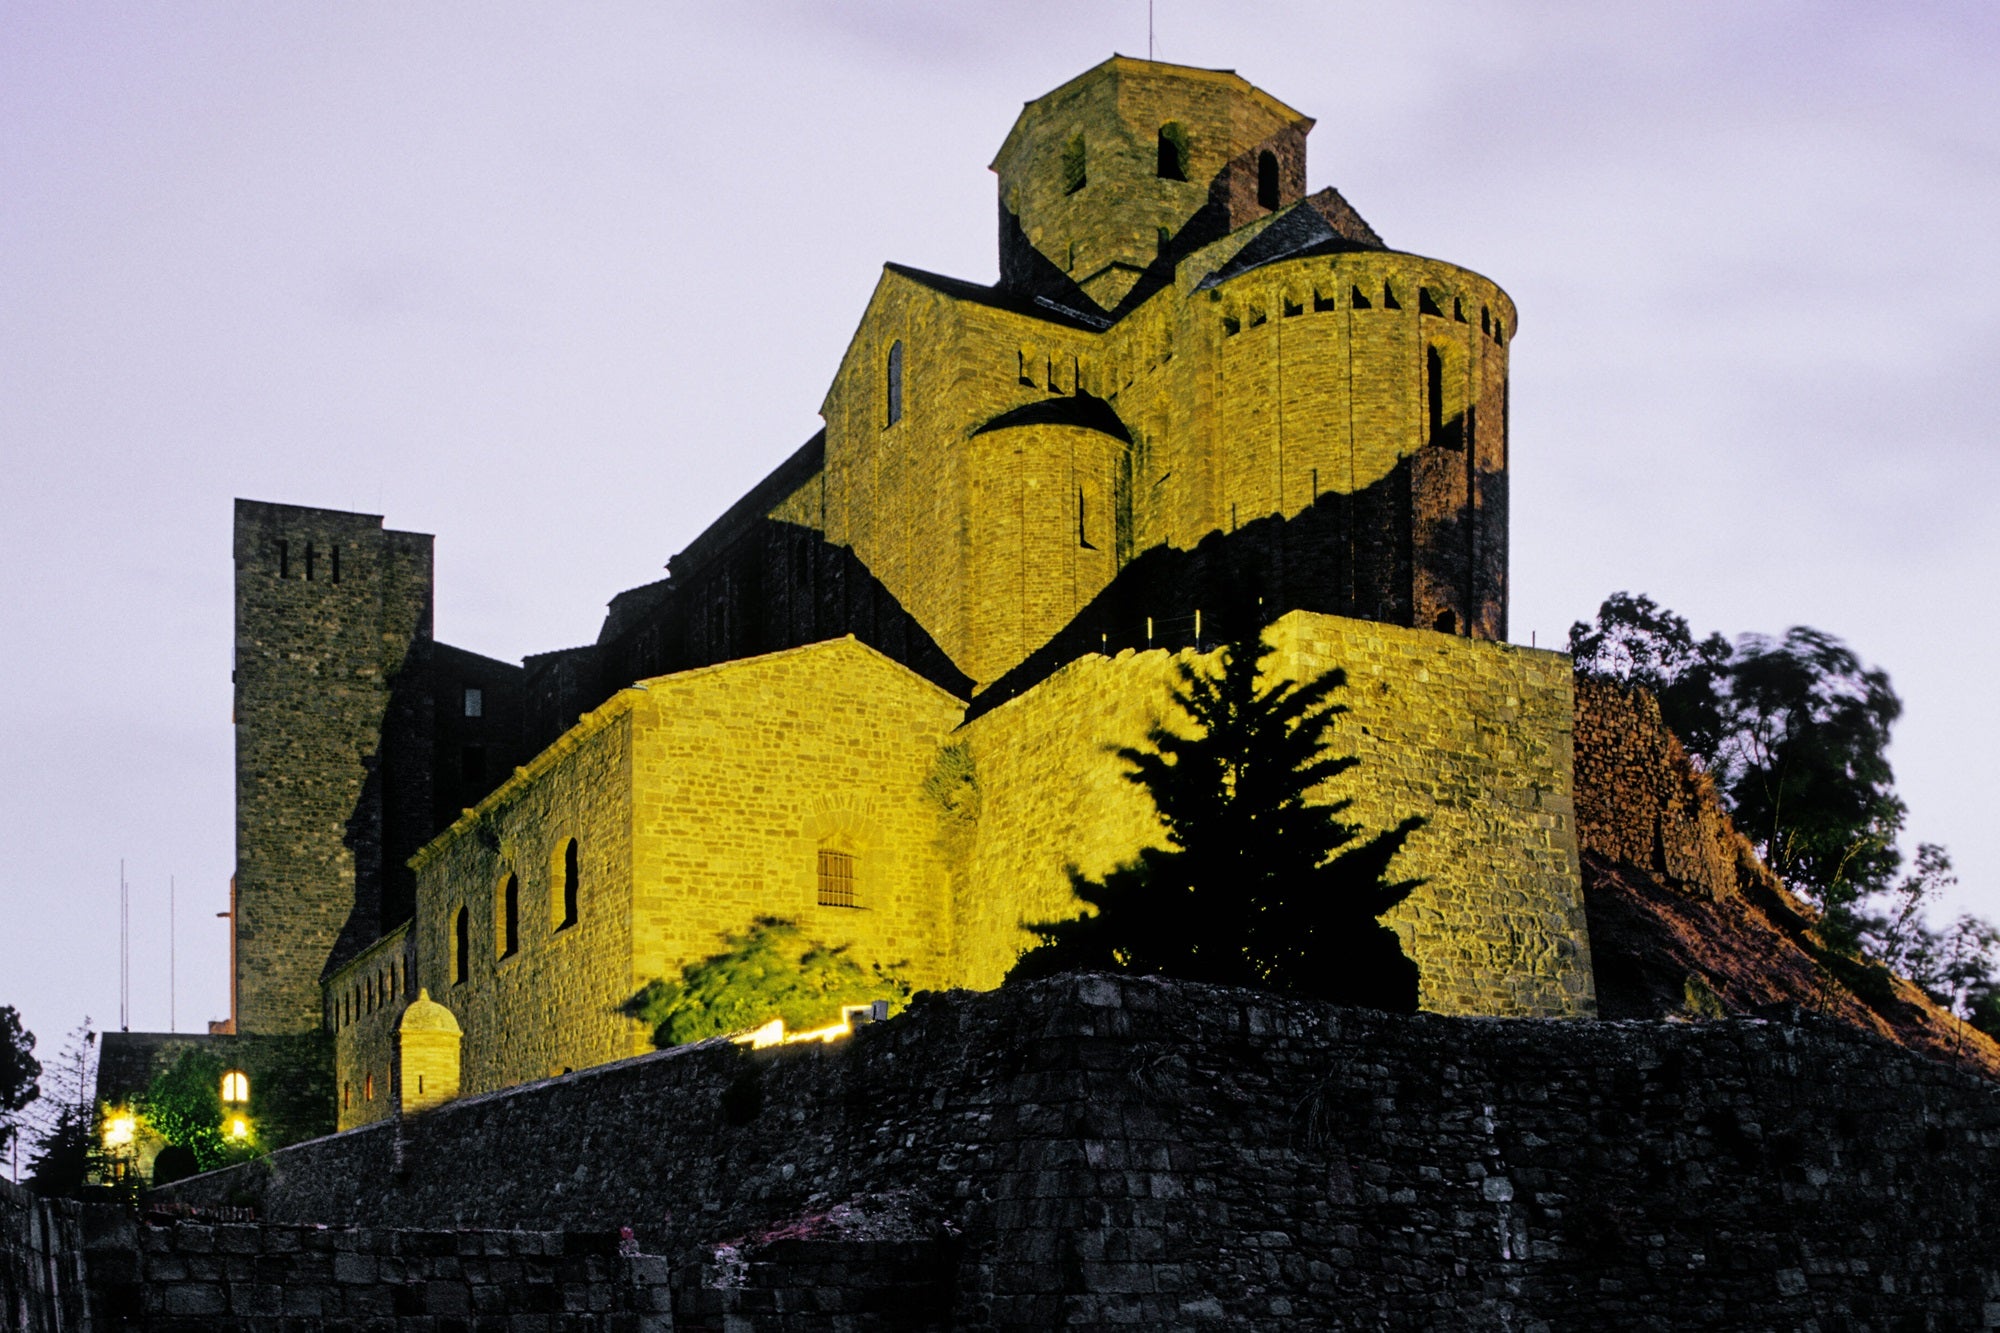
point(1257, 886)
point(770, 971)
point(64, 1154)
point(183, 1105)
point(19, 1072)
point(65, 1145)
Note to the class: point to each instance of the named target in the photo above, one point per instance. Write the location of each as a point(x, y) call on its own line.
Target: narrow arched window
point(1267, 179)
point(510, 917)
point(895, 386)
point(569, 878)
point(1434, 392)
point(461, 951)
point(1173, 161)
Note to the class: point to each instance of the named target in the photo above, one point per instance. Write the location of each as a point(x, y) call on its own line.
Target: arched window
point(509, 937)
point(836, 878)
point(895, 386)
point(461, 953)
point(569, 884)
point(1267, 179)
point(1434, 392)
point(1173, 163)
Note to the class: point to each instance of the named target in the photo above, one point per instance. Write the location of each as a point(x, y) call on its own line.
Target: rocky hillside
point(1686, 922)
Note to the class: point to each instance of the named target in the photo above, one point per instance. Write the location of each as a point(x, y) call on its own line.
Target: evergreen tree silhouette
point(1256, 886)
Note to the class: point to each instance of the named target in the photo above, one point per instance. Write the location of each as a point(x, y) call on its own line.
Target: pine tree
point(1257, 886)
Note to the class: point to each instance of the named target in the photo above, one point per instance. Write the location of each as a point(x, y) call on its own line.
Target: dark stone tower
point(330, 610)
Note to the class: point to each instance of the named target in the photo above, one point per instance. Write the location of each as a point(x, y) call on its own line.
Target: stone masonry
point(1095, 1153)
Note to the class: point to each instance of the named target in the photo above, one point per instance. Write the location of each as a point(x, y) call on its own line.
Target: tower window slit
point(1434, 392)
point(461, 955)
point(569, 891)
point(311, 558)
point(284, 559)
point(1267, 179)
point(333, 554)
point(510, 917)
point(1173, 153)
point(1361, 302)
point(895, 384)
point(1389, 301)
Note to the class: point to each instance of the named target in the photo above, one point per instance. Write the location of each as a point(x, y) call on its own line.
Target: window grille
point(836, 879)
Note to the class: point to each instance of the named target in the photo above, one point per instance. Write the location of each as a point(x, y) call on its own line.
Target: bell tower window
point(1173, 158)
point(895, 382)
point(1267, 179)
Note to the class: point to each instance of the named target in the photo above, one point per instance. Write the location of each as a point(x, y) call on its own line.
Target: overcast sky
point(558, 282)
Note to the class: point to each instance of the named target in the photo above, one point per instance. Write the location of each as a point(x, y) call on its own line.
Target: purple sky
point(556, 283)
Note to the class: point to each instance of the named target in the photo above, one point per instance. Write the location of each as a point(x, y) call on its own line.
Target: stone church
point(878, 695)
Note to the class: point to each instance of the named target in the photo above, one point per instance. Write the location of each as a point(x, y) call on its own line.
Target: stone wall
point(1472, 737)
point(551, 1002)
point(41, 1264)
point(1113, 1152)
point(68, 1268)
point(1641, 802)
point(364, 1002)
point(328, 607)
point(699, 802)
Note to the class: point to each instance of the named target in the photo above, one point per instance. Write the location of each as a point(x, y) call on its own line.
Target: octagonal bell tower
point(1132, 163)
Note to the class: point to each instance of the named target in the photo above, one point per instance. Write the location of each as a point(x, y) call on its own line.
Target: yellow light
point(118, 1131)
point(235, 1087)
point(239, 1128)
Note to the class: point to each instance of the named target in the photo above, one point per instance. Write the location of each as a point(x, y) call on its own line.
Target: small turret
point(427, 1047)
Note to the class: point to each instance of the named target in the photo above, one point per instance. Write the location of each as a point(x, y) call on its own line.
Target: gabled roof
point(1299, 231)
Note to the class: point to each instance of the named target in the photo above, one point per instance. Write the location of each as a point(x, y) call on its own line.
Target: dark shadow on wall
point(773, 586)
point(451, 734)
point(1347, 555)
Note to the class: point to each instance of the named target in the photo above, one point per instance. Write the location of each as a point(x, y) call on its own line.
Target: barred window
point(836, 878)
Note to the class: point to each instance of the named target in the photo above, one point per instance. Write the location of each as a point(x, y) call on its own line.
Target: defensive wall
point(70, 1268)
point(1474, 738)
point(1090, 1152)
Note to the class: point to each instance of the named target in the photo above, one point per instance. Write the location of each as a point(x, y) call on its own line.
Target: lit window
point(475, 701)
point(235, 1087)
point(368, 1088)
point(836, 878)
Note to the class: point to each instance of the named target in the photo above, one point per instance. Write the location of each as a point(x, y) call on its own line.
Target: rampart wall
point(1472, 737)
point(71, 1268)
point(1119, 1152)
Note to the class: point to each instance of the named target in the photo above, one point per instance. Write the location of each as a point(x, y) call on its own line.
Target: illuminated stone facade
point(1198, 402)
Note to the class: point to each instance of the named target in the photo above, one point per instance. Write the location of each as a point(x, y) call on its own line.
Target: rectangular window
point(836, 879)
point(475, 701)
